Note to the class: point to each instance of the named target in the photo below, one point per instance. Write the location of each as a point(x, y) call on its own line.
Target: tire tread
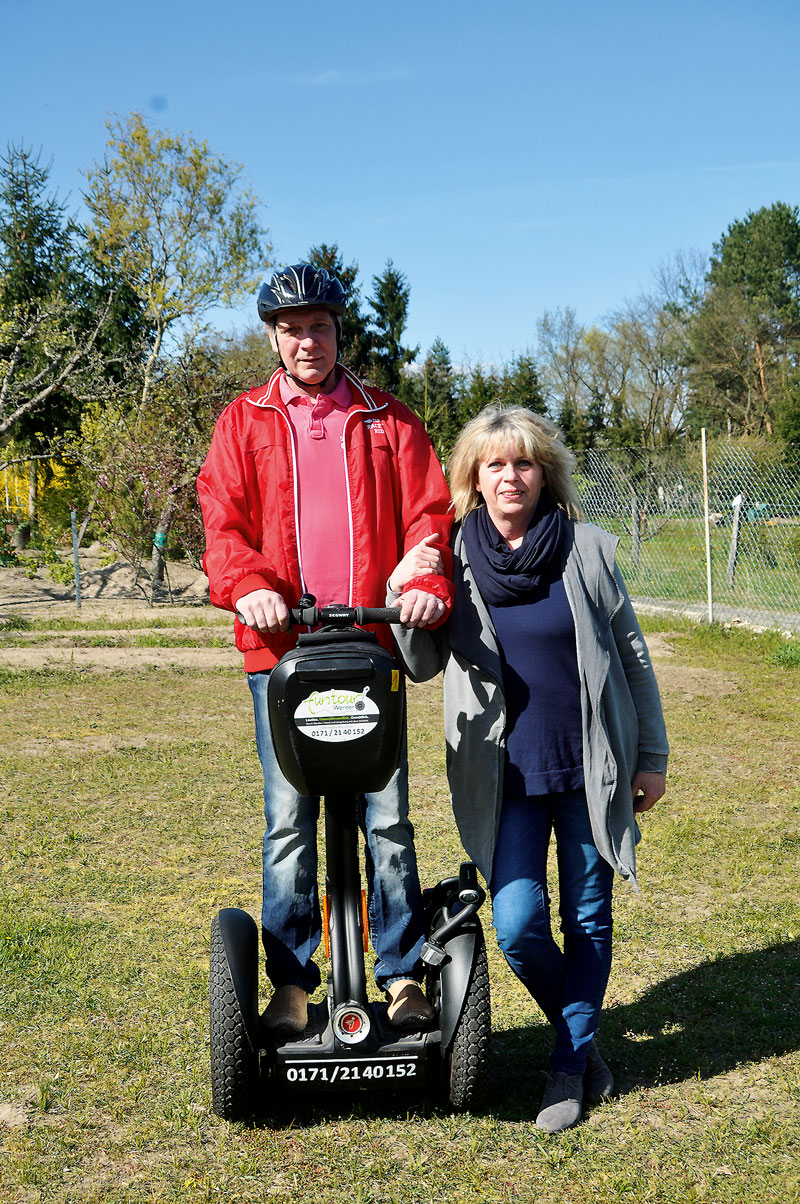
point(234, 1067)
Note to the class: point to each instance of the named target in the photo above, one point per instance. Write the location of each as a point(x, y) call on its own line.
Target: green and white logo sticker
point(337, 715)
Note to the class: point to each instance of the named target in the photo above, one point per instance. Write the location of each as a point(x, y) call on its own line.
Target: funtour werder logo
point(337, 715)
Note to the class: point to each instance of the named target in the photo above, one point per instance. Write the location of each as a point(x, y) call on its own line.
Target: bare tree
point(64, 353)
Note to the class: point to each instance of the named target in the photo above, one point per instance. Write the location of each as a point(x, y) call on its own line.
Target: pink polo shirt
point(324, 530)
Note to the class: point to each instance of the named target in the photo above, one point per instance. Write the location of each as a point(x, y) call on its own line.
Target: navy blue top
point(544, 740)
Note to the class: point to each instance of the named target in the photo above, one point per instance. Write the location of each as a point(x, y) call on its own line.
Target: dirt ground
point(102, 585)
point(111, 593)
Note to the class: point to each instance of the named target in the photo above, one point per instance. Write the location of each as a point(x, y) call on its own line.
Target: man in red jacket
point(316, 483)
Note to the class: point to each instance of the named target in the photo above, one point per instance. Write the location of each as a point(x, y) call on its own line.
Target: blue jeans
point(569, 987)
point(290, 916)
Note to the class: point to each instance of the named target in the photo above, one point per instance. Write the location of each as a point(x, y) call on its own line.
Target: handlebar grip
point(469, 889)
point(304, 616)
point(377, 614)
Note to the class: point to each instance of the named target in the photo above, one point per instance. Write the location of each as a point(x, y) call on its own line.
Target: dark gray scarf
point(507, 575)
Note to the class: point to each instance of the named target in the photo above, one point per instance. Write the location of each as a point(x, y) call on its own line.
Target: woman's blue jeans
point(290, 916)
point(569, 987)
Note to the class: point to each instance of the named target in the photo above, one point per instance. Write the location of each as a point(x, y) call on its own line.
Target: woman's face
point(511, 485)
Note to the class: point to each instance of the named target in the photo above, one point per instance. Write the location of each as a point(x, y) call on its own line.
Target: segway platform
point(386, 1059)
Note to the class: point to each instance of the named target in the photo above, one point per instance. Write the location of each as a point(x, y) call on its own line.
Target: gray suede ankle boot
point(562, 1102)
point(598, 1081)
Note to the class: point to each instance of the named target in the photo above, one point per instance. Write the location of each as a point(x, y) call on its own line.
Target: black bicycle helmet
point(300, 287)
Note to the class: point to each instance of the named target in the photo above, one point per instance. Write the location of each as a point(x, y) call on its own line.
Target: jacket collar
point(268, 396)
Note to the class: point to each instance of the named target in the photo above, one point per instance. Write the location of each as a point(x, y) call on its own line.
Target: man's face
point(306, 342)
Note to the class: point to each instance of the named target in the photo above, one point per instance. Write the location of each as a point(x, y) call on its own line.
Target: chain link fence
point(655, 503)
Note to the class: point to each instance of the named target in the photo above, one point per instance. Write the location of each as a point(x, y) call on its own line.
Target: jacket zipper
point(353, 414)
point(372, 406)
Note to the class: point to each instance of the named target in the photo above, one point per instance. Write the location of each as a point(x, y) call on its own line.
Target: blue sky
point(510, 158)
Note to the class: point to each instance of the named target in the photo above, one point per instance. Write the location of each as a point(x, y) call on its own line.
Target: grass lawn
point(131, 813)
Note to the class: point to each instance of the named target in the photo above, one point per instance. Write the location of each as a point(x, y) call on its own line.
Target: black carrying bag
point(337, 710)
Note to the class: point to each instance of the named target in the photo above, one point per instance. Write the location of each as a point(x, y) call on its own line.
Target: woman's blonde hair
point(498, 427)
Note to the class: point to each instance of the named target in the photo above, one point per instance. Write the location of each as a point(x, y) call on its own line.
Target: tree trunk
point(762, 380)
point(33, 482)
point(158, 554)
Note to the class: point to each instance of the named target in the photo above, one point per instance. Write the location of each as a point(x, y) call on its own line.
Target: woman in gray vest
point(553, 724)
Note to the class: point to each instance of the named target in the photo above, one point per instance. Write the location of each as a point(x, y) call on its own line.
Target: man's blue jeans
point(290, 916)
point(569, 987)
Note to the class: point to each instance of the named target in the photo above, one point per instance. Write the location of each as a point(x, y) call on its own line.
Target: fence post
point(738, 504)
point(74, 521)
point(708, 526)
point(636, 534)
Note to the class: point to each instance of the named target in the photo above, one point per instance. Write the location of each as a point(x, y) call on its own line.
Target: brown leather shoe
point(287, 1011)
point(408, 1007)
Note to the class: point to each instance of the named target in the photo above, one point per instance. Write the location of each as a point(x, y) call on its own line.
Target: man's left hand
point(419, 608)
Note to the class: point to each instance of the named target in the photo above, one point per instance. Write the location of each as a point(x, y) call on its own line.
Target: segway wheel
point(467, 1070)
point(234, 1063)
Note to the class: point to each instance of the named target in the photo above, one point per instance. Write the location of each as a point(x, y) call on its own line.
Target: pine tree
point(389, 303)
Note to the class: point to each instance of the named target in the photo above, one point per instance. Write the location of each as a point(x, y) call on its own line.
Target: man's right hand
point(265, 610)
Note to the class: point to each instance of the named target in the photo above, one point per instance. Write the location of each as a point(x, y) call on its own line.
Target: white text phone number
point(352, 1073)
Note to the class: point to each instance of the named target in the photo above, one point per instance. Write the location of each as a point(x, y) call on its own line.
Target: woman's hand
point(421, 560)
point(647, 789)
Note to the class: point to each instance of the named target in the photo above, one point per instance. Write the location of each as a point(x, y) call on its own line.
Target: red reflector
point(351, 1022)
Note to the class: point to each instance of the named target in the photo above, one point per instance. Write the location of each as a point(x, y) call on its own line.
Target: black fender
point(240, 942)
point(456, 976)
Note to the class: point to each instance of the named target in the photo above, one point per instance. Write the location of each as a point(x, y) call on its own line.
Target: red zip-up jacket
point(396, 495)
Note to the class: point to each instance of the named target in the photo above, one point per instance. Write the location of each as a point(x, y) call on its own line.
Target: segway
point(337, 710)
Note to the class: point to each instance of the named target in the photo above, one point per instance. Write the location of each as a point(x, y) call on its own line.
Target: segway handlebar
point(343, 616)
point(336, 615)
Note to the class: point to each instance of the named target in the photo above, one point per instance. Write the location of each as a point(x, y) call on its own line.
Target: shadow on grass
point(732, 1010)
point(708, 1020)
point(704, 1022)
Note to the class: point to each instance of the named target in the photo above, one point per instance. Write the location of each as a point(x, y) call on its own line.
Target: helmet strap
point(321, 386)
point(273, 338)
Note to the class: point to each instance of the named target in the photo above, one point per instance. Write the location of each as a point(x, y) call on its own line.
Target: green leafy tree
point(619, 386)
point(148, 462)
point(55, 315)
point(479, 387)
point(175, 222)
point(389, 305)
point(246, 358)
point(732, 367)
point(745, 337)
point(35, 249)
point(761, 256)
point(519, 384)
point(432, 392)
